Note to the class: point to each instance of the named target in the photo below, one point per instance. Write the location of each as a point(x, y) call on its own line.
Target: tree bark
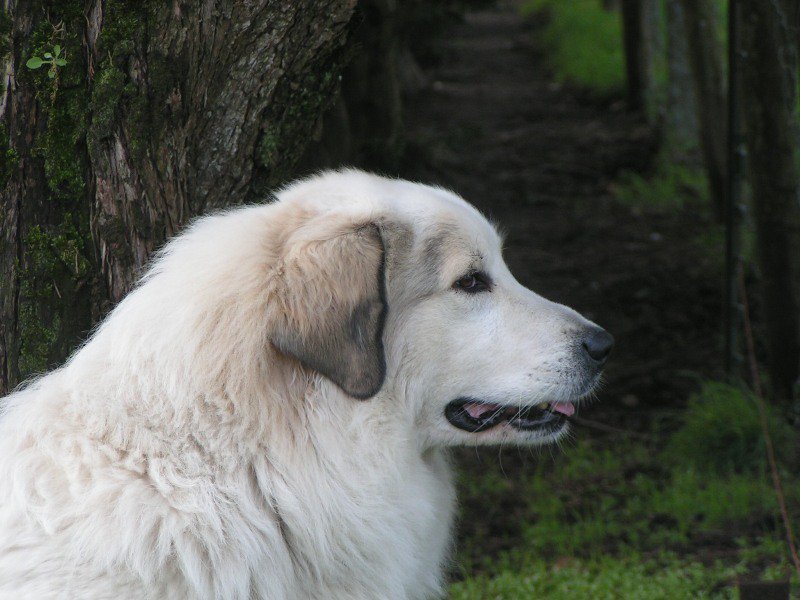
point(655, 51)
point(162, 112)
point(769, 91)
point(681, 125)
point(705, 51)
point(633, 42)
point(45, 286)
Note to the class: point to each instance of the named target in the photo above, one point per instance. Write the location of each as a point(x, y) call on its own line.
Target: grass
point(632, 518)
point(605, 578)
point(584, 43)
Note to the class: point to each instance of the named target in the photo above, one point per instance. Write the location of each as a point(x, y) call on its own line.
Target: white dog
point(264, 416)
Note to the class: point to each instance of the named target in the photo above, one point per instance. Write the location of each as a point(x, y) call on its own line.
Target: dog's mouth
point(475, 415)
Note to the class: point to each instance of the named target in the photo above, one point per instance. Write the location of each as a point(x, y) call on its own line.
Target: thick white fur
point(179, 455)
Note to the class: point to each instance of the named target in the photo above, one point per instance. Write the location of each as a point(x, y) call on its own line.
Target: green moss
point(37, 338)
point(109, 85)
point(6, 27)
point(113, 92)
point(6, 24)
point(65, 167)
point(290, 120)
point(76, 114)
point(8, 157)
point(122, 25)
point(56, 249)
point(304, 105)
point(64, 103)
point(116, 98)
point(54, 263)
point(268, 146)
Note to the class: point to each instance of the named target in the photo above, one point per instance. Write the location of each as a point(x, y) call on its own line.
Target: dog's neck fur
point(223, 500)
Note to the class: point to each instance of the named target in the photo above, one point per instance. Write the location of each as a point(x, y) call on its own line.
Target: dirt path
point(540, 160)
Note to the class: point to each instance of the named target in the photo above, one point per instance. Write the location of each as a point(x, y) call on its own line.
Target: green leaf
point(61, 62)
point(56, 49)
point(48, 55)
point(51, 74)
point(34, 63)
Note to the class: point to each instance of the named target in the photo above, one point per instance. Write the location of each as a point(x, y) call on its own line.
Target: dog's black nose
point(598, 344)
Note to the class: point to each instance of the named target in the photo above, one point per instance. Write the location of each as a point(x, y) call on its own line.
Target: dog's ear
point(332, 308)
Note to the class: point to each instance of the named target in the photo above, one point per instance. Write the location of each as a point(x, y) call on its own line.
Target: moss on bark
point(289, 125)
point(112, 89)
point(56, 244)
point(8, 157)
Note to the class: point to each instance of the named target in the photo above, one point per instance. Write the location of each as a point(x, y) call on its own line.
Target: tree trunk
point(655, 51)
point(705, 51)
point(769, 91)
point(633, 42)
point(162, 111)
point(46, 281)
point(681, 127)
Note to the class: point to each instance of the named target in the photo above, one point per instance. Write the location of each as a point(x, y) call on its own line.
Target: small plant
point(55, 59)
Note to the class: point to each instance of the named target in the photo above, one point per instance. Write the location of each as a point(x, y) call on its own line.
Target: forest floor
point(545, 161)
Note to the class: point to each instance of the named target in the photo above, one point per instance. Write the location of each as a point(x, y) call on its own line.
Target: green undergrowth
point(678, 512)
point(669, 186)
point(584, 44)
point(737, 443)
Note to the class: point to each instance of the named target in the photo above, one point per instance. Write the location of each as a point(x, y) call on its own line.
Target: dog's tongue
point(478, 409)
point(565, 408)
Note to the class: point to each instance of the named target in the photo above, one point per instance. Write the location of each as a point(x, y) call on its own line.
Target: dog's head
point(398, 292)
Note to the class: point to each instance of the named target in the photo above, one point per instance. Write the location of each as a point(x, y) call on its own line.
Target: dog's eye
point(473, 283)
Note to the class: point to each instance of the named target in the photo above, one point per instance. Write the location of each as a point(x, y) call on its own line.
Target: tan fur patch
point(332, 306)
